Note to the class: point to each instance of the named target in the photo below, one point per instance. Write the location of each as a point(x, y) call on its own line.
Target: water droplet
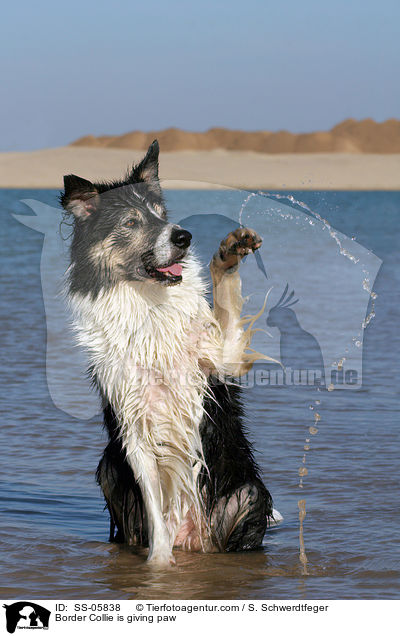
point(365, 285)
point(368, 319)
point(340, 364)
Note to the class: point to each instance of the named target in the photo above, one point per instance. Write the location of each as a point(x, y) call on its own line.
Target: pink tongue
point(175, 269)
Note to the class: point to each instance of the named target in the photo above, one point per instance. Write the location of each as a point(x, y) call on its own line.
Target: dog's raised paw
point(238, 244)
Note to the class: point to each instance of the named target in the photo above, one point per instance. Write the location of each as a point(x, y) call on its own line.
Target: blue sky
point(75, 68)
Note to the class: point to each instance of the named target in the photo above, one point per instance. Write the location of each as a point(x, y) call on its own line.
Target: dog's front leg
point(145, 469)
point(228, 301)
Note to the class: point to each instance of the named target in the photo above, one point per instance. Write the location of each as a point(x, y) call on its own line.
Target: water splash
point(303, 472)
point(357, 340)
point(302, 554)
point(243, 206)
point(367, 286)
point(342, 250)
point(368, 319)
point(289, 197)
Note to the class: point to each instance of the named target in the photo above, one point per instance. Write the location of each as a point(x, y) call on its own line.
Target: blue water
point(53, 527)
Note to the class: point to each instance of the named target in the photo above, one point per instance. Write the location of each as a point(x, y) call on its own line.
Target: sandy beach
point(208, 168)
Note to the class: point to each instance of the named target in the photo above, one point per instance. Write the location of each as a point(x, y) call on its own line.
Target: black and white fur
point(178, 469)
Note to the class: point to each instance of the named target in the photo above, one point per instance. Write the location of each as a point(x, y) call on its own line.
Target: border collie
point(178, 470)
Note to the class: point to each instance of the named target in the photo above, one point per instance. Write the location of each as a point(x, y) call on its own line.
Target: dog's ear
point(147, 170)
point(79, 197)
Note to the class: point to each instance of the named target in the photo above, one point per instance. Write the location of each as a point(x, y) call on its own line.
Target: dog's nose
point(180, 238)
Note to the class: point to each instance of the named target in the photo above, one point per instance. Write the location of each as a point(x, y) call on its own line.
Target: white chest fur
point(150, 347)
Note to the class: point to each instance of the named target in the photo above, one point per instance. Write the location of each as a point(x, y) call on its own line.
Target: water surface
point(53, 528)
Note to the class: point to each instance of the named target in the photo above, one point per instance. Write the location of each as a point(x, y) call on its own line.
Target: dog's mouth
point(169, 274)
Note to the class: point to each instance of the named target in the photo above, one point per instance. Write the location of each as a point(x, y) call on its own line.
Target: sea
point(322, 405)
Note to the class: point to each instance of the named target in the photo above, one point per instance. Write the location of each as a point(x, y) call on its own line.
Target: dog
point(178, 470)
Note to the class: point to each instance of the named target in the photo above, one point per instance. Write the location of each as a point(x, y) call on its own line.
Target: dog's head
point(121, 231)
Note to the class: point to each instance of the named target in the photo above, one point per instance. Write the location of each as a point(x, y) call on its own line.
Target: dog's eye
point(130, 223)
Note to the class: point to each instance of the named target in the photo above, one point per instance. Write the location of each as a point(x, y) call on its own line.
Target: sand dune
point(208, 168)
point(350, 136)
